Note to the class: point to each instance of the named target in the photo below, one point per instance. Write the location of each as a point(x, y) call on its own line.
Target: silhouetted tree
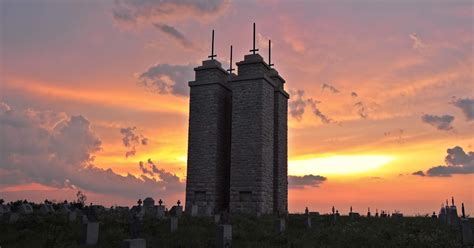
point(81, 198)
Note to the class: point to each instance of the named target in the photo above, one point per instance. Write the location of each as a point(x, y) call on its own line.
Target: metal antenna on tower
point(254, 49)
point(230, 67)
point(212, 56)
point(270, 53)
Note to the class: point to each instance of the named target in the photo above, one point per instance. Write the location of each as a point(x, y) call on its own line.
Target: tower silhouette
point(238, 137)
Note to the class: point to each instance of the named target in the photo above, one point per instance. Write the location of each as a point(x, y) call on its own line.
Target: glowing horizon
point(377, 108)
point(338, 164)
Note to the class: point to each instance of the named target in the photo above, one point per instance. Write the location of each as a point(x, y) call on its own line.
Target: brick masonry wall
point(252, 139)
point(209, 139)
point(252, 147)
point(281, 153)
point(238, 141)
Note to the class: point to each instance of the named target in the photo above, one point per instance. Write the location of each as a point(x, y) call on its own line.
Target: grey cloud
point(175, 34)
point(457, 157)
point(134, 11)
point(457, 162)
point(63, 157)
point(317, 112)
point(129, 136)
point(362, 109)
point(440, 122)
point(418, 173)
point(329, 87)
point(306, 180)
point(467, 107)
point(167, 79)
point(447, 171)
point(297, 104)
point(131, 139)
point(144, 169)
point(161, 173)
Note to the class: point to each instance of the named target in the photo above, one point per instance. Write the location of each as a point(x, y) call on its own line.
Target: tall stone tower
point(207, 180)
point(280, 147)
point(238, 144)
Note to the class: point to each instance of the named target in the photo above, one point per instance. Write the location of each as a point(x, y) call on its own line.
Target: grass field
point(54, 231)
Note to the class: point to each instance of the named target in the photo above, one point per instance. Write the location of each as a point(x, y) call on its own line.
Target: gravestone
point(353, 215)
point(207, 210)
point(64, 209)
point(134, 243)
point(224, 236)
point(308, 222)
point(92, 215)
point(217, 218)
point(4, 209)
point(280, 225)
point(466, 230)
point(72, 216)
point(194, 210)
point(135, 226)
point(336, 216)
point(442, 216)
point(26, 208)
point(308, 218)
point(90, 234)
point(84, 219)
point(453, 218)
point(46, 208)
point(160, 211)
point(225, 218)
point(13, 218)
point(397, 216)
point(174, 224)
point(176, 211)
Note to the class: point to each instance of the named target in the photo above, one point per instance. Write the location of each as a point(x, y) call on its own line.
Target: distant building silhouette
point(238, 135)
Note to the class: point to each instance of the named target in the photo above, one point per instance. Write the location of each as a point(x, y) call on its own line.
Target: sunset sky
point(381, 110)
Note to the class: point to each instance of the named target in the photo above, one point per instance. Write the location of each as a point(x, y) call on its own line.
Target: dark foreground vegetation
point(55, 231)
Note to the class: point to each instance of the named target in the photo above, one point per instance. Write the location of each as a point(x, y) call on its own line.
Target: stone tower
point(280, 169)
point(238, 138)
point(207, 180)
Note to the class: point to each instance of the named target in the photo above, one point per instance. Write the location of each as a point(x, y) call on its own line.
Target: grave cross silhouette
point(462, 209)
point(212, 56)
point(254, 49)
point(230, 67)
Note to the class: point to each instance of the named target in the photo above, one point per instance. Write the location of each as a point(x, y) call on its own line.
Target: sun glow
point(338, 165)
